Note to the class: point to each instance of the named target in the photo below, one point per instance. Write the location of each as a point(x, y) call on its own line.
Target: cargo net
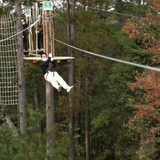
point(9, 93)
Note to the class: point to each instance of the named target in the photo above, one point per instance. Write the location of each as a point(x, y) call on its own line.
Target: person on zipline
point(47, 66)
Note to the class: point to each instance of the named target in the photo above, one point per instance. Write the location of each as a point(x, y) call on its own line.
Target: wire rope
point(91, 53)
point(110, 58)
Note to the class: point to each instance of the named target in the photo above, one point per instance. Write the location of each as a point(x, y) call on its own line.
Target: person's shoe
point(59, 88)
point(69, 88)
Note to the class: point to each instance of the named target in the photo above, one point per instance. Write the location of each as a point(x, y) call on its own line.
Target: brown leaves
point(149, 105)
point(149, 41)
point(147, 109)
point(156, 5)
point(131, 29)
point(142, 29)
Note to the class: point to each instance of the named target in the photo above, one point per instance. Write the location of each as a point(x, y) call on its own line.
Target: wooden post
point(29, 36)
point(48, 45)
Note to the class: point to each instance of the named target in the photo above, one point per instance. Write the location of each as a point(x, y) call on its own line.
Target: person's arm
point(54, 63)
point(51, 60)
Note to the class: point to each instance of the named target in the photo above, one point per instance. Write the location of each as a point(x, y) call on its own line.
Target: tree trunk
point(71, 35)
point(36, 100)
point(21, 74)
point(87, 137)
point(78, 114)
point(87, 128)
point(49, 117)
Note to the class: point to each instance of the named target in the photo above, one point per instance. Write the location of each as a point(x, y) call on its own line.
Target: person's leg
point(60, 80)
point(50, 78)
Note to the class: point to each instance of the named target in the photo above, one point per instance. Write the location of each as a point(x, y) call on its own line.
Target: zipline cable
point(88, 52)
point(110, 58)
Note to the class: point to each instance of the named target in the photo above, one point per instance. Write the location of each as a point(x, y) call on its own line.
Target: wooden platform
point(61, 61)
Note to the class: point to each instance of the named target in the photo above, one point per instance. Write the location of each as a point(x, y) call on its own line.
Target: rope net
point(9, 92)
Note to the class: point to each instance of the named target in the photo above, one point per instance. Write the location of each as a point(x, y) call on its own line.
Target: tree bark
point(71, 35)
point(49, 118)
point(87, 121)
point(21, 72)
point(87, 130)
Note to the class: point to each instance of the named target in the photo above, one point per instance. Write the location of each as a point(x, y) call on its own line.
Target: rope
point(110, 58)
point(22, 30)
point(9, 91)
point(8, 62)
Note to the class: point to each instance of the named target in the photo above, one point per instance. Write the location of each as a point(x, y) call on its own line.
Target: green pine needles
point(31, 146)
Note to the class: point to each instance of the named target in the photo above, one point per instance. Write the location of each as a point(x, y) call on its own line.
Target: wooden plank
point(35, 64)
point(54, 58)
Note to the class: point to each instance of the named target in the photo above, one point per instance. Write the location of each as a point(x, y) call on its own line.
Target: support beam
point(48, 45)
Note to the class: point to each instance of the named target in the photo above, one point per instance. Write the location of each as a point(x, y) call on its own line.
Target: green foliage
point(33, 144)
point(126, 144)
point(35, 87)
point(5, 9)
point(108, 92)
point(7, 143)
point(62, 148)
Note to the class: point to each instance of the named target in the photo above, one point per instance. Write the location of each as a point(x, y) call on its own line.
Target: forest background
point(121, 103)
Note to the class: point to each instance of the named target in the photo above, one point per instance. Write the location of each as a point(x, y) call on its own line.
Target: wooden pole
point(48, 45)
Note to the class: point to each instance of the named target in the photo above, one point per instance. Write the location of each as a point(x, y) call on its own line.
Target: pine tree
point(146, 119)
